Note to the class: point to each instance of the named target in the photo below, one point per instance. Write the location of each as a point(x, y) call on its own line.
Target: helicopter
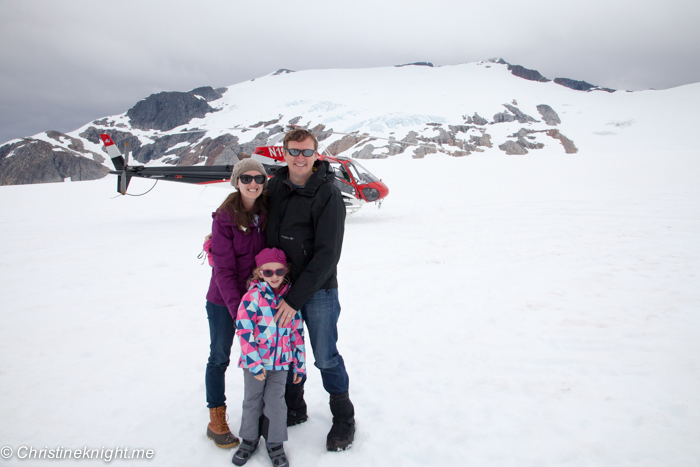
point(357, 185)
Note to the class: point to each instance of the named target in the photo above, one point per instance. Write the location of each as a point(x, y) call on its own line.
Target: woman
point(237, 236)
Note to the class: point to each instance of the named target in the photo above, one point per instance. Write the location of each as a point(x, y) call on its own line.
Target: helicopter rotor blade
point(391, 140)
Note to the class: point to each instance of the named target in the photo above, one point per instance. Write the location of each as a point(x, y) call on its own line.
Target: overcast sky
point(65, 63)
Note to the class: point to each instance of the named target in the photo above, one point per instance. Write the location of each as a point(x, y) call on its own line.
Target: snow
point(391, 101)
point(497, 311)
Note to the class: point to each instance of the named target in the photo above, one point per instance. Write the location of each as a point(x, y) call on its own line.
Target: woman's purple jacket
point(234, 253)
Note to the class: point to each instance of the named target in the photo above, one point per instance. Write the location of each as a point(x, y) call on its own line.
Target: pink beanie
point(270, 255)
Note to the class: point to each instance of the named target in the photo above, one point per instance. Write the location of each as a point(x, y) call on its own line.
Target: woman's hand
point(297, 378)
point(284, 315)
point(261, 376)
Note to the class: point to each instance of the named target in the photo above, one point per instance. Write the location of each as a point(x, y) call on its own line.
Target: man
point(307, 220)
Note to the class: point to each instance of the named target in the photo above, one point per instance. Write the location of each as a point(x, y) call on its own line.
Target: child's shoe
point(245, 450)
point(277, 455)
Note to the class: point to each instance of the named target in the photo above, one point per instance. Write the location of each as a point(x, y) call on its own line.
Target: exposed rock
point(343, 144)
point(580, 85)
point(459, 128)
point(35, 161)
point(208, 150)
point(228, 157)
point(569, 146)
point(443, 137)
point(167, 110)
point(549, 116)
point(522, 72)
point(76, 147)
point(395, 148)
point(282, 71)
point(526, 138)
point(503, 117)
point(267, 123)
point(521, 117)
point(208, 93)
point(483, 140)
point(161, 146)
point(415, 64)
point(294, 121)
point(7, 149)
point(103, 122)
point(120, 138)
point(143, 153)
point(524, 134)
point(75, 143)
point(573, 84)
point(421, 151)
point(479, 120)
point(529, 144)
point(321, 133)
point(274, 130)
point(366, 153)
point(512, 148)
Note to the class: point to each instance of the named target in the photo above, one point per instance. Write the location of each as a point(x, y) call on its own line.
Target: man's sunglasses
point(246, 179)
point(303, 152)
point(274, 272)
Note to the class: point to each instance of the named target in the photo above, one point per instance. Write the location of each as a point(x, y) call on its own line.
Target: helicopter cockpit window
point(361, 174)
point(340, 172)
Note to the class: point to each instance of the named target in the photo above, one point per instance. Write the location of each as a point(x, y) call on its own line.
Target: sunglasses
point(274, 272)
point(246, 179)
point(303, 152)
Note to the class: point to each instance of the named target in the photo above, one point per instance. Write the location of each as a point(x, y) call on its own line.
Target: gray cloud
point(66, 63)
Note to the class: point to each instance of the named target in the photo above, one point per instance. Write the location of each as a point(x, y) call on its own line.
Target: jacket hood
point(321, 173)
point(267, 291)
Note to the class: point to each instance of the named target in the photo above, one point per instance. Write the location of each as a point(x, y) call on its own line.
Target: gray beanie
point(245, 165)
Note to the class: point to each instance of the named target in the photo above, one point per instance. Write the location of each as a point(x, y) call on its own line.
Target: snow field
point(497, 311)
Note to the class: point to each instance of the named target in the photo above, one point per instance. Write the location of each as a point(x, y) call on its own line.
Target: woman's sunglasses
point(303, 152)
point(274, 272)
point(246, 179)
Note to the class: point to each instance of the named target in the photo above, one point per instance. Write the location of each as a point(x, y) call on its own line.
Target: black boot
point(296, 407)
point(343, 430)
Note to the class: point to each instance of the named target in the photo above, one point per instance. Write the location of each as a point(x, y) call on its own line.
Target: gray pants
point(264, 397)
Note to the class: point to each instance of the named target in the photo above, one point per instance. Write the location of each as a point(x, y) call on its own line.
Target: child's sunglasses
point(303, 152)
point(274, 272)
point(246, 179)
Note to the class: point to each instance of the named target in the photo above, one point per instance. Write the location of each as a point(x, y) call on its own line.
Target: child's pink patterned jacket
point(263, 343)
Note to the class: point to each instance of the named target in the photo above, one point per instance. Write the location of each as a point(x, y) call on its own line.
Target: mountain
point(483, 107)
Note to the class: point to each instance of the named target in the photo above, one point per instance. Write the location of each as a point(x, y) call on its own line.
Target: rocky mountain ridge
point(153, 129)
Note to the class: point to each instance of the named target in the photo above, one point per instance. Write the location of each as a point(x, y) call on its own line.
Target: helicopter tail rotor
point(121, 164)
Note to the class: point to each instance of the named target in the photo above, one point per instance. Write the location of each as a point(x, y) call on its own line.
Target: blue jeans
point(222, 329)
point(321, 314)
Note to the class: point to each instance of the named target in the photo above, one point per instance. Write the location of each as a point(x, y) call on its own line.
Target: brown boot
point(218, 430)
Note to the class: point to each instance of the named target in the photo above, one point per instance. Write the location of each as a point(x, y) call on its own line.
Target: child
point(266, 353)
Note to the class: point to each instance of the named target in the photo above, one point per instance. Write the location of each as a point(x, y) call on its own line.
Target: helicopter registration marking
point(276, 151)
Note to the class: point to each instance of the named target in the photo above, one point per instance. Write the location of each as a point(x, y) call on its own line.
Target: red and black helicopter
point(357, 184)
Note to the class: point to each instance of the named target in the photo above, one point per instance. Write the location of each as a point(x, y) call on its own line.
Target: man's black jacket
point(307, 223)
